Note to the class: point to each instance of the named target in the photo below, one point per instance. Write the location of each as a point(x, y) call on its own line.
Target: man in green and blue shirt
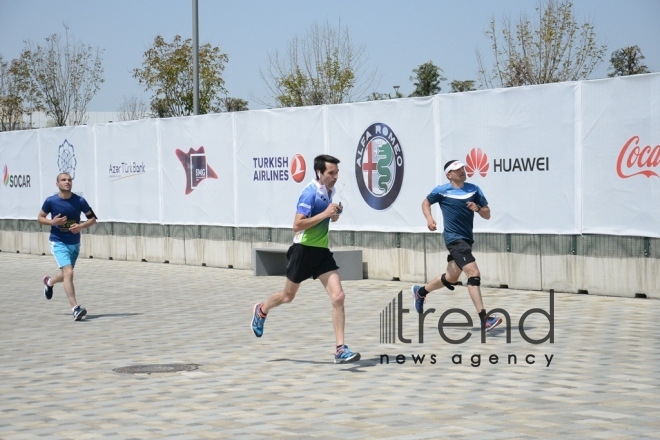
point(310, 257)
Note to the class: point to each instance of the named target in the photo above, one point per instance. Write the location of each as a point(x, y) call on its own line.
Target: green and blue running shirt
point(313, 200)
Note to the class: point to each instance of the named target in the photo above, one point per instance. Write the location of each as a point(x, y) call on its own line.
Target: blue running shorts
point(65, 254)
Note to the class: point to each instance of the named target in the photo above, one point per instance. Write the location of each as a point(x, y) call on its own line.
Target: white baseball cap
point(453, 165)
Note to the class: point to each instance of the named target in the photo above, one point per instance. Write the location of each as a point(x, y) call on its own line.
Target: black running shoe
point(48, 290)
point(78, 313)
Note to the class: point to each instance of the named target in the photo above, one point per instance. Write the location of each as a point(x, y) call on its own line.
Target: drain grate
point(155, 368)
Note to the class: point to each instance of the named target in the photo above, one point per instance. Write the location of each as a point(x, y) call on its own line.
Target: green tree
point(324, 67)
point(167, 71)
point(462, 86)
point(627, 61)
point(555, 48)
point(427, 79)
point(11, 104)
point(234, 104)
point(60, 77)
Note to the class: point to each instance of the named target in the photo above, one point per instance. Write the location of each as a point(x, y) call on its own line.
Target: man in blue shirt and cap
point(458, 201)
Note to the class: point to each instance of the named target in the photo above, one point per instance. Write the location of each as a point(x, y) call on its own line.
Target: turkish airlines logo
point(476, 160)
point(298, 168)
point(634, 160)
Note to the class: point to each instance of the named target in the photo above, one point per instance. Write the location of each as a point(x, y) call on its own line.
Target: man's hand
point(431, 224)
point(75, 228)
point(473, 206)
point(332, 210)
point(58, 220)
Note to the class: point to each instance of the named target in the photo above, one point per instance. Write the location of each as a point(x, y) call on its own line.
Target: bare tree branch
point(324, 67)
point(60, 77)
point(553, 48)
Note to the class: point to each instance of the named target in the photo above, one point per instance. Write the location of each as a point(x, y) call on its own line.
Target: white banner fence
point(568, 158)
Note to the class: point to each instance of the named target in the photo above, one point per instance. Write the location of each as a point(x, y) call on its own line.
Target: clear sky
point(399, 35)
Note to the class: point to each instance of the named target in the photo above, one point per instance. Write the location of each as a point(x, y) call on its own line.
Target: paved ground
point(57, 378)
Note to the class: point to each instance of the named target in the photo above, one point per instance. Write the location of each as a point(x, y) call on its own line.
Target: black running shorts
point(304, 262)
point(460, 251)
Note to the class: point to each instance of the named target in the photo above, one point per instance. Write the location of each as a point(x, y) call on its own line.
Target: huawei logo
point(477, 160)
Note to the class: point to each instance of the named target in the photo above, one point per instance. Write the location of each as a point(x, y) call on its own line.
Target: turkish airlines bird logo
point(298, 168)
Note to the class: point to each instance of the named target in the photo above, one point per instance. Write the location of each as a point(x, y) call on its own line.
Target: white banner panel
point(564, 158)
point(20, 195)
point(71, 150)
point(275, 151)
point(520, 148)
point(197, 158)
point(387, 149)
point(621, 158)
point(128, 176)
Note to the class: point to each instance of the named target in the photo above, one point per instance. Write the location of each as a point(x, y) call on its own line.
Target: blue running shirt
point(457, 218)
point(313, 200)
point(69, 208)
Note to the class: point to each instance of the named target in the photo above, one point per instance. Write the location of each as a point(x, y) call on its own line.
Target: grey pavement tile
point(58, 379)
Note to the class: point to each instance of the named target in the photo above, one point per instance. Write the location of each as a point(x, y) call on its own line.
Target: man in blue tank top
point(458, 202)
point(64, 209)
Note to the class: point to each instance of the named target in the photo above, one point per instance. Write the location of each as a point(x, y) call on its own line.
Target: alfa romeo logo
point(379, 166)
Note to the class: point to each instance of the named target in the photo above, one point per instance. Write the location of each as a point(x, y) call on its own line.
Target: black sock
point(422, 291)
point(482, 316)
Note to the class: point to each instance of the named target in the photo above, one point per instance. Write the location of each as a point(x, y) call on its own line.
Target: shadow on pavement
point(109, 315)
point(354, 367)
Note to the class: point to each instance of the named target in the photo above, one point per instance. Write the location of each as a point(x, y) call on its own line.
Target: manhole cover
point(156, 368)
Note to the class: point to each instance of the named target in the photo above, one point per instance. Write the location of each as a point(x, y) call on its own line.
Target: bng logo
point(379, 166)
point(195, 166)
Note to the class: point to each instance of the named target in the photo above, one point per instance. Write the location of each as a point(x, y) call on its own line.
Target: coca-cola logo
point(634, 159)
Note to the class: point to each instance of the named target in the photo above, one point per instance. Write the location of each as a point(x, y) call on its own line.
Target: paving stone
point(58, 381)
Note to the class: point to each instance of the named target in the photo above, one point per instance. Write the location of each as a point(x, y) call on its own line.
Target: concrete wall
point(602, 265)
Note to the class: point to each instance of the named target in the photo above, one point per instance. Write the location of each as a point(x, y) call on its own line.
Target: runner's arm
point(55, 221)
point(426, 209)
point(302, 222)
point(484, 212)
point(91, 220)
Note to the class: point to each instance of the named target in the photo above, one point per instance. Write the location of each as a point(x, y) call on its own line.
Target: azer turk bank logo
point(392, 332)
